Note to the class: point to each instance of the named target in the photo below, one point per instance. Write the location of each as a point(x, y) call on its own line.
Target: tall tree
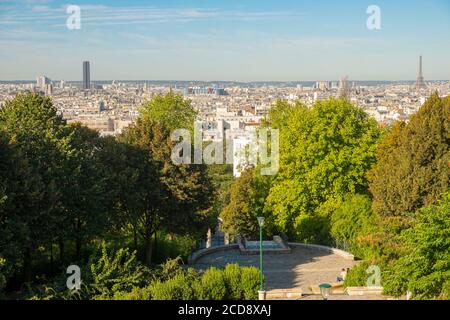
point(247, 198)
point(87, 198)
point(424, 267)
point(180, 199)
point(413, 161)
point(325, 152)
point(171, 109)
point(40, 138)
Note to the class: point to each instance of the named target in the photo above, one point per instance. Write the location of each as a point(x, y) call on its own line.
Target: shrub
point(250, 282)
point(2, 275)
point(232, 275)
point(353, 221)
point(115, 271)
point(213, 285)
point(446, 290)
point(424, 269)
point(357, 276)
point(135, 294)
point(177, 288)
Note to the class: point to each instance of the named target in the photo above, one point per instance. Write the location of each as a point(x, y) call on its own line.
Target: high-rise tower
point(86, 75)
point(420, 83)
point(344, 90)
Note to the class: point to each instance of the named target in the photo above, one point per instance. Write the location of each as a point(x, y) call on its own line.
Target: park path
point(300, 269)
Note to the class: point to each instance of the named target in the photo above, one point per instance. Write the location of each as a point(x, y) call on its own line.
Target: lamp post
point(262, 293)
point(325, 289)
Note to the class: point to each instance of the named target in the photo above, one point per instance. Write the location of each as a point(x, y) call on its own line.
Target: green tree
point(247, 198)
point(87, 200)
point(424, 269)
point(133, 181)
point(325, 152)
point(413, 161)
point(171, 109)
point(39, 135)
point(182, 196)
point(353, 222)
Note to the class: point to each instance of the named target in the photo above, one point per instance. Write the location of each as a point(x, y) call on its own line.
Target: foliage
point(250, 283)
point(232, 282)
point(136, 293)
point(357, 276)
point(172, 246)
point(412, 170)
point(425, 269)
point(221, 176)
point(3, 277)
point(247, 198)
point(171, 109)
point(213, 285)
point(178, 287)
point(353, 222)
point(232, 276)
point(180, 197)
point(34, 210)
point(325, 152)
point(115, 271)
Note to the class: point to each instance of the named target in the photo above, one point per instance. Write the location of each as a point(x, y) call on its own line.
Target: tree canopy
point(413, 161)
point(325, 152)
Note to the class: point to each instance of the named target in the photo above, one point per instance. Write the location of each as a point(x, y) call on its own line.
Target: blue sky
point(245, 40)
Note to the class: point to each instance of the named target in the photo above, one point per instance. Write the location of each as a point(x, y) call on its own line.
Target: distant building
point(42, 81)
point(344, 90)
point(86, 75)
point(205, 91)
point(48, 89)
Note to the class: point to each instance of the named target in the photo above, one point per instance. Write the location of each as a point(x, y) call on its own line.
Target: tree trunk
point(149, 250)
point(78, 249)
point(78, 241)
point(135, 239)
point(27, 264)
point(155, 251)
point(51, 259)
point(61, 250)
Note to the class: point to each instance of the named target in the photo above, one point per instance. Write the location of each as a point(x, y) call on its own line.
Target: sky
point(246, 40)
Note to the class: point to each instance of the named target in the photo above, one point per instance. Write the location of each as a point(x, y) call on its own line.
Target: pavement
point(302, 268)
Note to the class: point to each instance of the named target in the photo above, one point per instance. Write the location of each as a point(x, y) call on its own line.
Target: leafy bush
point(213, 285)
point(178, 287)
point(115, 271)
point(2, 275)
point(135, 294)
point(357, 276)
point(352, 221)
point(250, 282)
point(174, 247)
point(232, 275)
point(425, 269)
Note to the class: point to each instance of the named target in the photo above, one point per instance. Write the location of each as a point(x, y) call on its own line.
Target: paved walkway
point(300, 269)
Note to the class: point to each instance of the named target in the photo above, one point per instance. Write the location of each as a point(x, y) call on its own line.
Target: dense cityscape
point(226, 109)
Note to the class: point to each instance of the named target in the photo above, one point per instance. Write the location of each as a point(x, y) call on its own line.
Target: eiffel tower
point(420, 83)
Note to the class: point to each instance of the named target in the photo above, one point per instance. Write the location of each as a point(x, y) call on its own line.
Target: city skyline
point(86, 79)
point(232, 41)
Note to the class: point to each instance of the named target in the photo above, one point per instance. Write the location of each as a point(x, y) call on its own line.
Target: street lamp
point(261, 287)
